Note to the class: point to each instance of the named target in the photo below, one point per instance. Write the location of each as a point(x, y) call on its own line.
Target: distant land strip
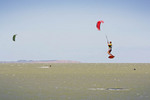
point(41, 61)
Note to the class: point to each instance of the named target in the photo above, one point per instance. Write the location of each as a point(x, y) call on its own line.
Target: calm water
point(74, 81)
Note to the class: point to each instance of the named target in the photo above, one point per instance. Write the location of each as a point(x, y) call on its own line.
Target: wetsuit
point(110, 47)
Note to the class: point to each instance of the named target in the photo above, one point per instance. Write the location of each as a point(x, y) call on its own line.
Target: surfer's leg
point(109, 52)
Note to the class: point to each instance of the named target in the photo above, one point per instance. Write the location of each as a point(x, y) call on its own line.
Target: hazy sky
point(66, 30)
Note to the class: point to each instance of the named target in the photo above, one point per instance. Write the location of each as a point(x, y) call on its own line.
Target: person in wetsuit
point(110, 48)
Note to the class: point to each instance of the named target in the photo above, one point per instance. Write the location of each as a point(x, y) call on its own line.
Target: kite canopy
point(14, 37)
point(99, 24)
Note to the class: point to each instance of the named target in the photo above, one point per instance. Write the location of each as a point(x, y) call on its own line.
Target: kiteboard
point(111, 57)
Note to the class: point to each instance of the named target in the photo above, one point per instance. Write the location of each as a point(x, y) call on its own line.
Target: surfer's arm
point(107, 42)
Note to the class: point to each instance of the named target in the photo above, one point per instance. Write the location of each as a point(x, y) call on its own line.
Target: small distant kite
point(99, 24)
point(14, 37)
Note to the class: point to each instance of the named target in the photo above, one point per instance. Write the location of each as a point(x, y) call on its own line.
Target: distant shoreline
point(41, 61)
point(67, 61)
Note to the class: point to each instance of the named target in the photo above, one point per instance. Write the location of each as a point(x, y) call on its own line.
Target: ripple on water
point(109, 89)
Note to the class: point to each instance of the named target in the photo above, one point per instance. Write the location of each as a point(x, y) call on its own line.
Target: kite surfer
point(110, 48)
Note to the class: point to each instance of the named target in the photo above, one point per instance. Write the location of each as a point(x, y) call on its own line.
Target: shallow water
point(74, 82)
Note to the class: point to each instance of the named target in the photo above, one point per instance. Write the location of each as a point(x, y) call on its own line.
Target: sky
point(66, 30)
